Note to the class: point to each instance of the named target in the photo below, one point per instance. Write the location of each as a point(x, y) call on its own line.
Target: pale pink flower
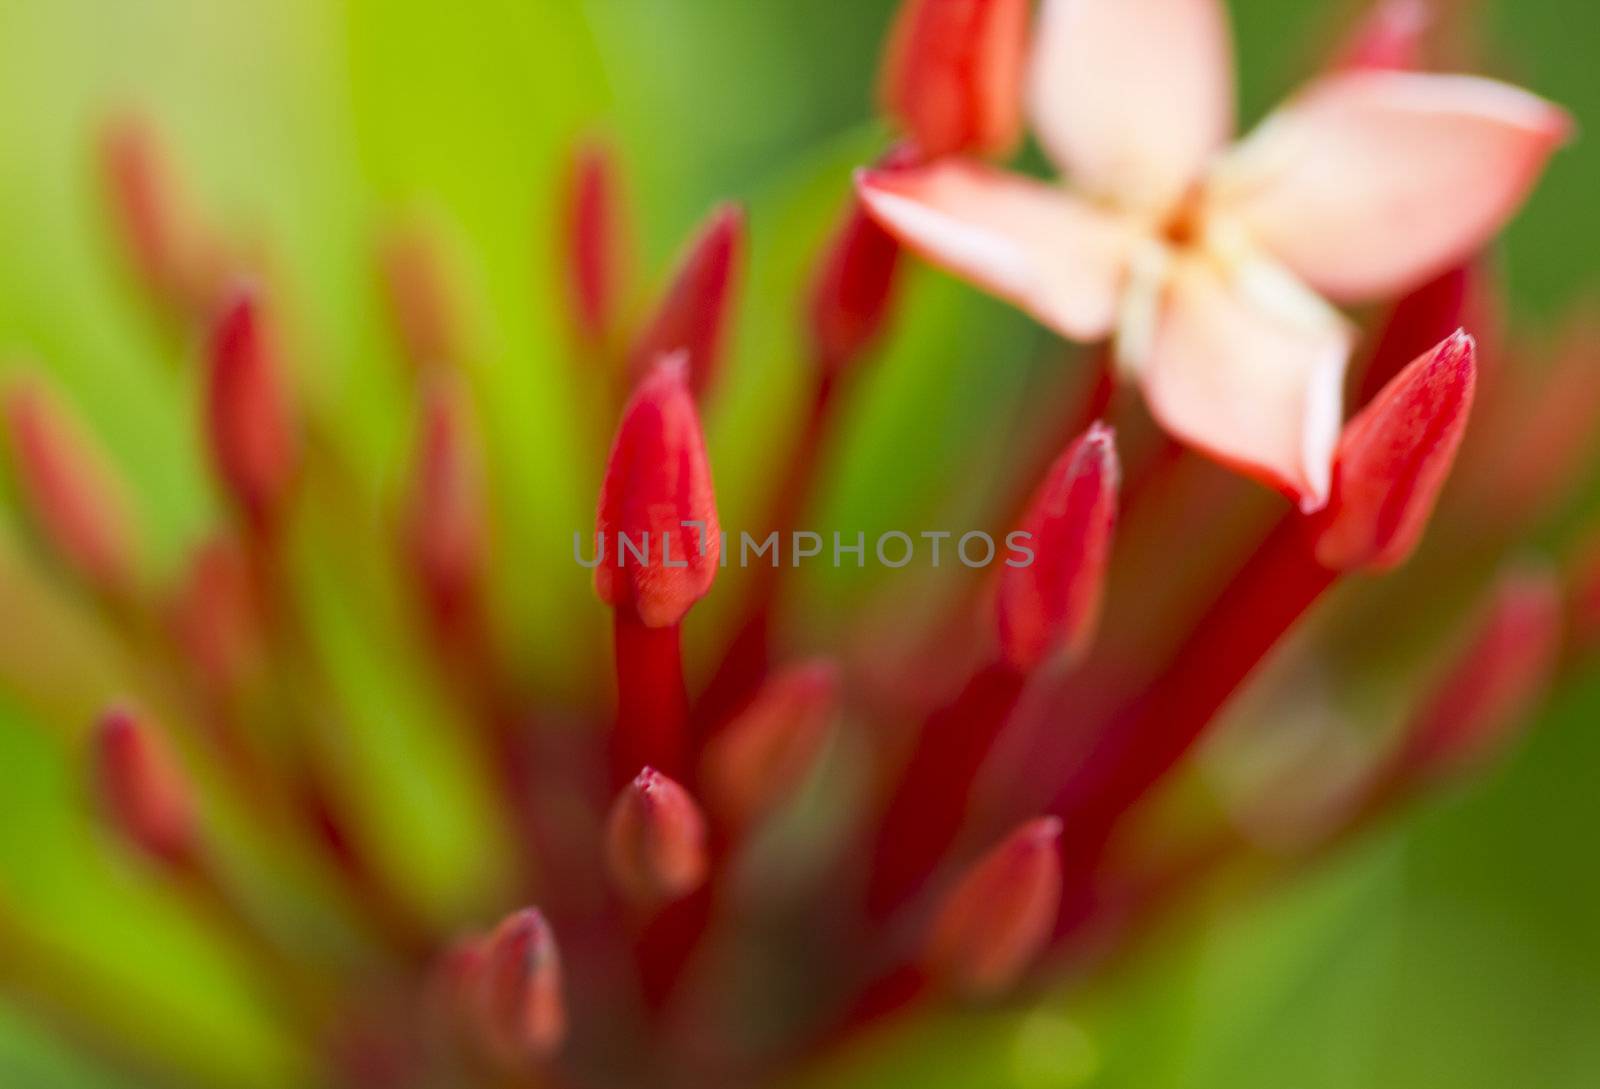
point(1214, 267)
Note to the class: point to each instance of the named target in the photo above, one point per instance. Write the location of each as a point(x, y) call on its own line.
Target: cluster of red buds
point(721, 876)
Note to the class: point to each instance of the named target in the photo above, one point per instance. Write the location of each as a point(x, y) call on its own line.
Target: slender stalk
point(652, 703)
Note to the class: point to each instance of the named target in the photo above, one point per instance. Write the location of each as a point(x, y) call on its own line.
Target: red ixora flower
point(1213, 267)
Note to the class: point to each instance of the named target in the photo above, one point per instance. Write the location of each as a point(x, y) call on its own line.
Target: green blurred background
point(1460, 949)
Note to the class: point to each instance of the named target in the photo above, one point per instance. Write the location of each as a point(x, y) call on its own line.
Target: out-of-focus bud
point(1492, 683)
point(446, 531)
point(658, 537)
point(254, 445)
point(597, 252)
point(993, 924)
point(697, 310)
point(655, 840)
point(70, 492)
point(1051, 603)
point(1419, 320)
point(1393, 460)
point(523, 1011)
point(755, 762)
point(421, 303)
point(172, 252)
point(1388, 38)
point(953, 75)
point(853, 289)
point(1584, 595)
point(217, 618)
point(146, 796)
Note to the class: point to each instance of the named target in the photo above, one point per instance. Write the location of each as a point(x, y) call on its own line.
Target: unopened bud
point(146, 796)
point(1389, 37)
point(524, 1018)
point(697, 310)
point(421, 303)
point(656, 840)
point(596, 247)
point(254, 445)
point(446, 530)
point(757, 761)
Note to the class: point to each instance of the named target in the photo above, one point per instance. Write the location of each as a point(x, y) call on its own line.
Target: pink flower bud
point(421, 303)
point(69, 489)
point(217, 618)
point(757, 760)
point(953, 74)
point(998, 918)
point(1388, 38)
point(659, 540)
point(1052, 603)
point(523, 1011)
point(853, 289)
point(1393, 460)
point(656, 840)
point(146, 796)
point(446, 530)
point(253, 441)
point(696, 311)
point(596, 247)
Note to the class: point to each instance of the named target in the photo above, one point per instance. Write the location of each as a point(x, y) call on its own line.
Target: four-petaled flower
point(1212, 270)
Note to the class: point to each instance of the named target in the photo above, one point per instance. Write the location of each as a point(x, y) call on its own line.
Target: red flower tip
point(523, 1011)
point(1389, 37)
point(696, 311)
point(446, 530)
point(853, 289)
point(1393, 460)
point(1052, 603)
point(170, 250)
point(68, 487)
point(953, 74)
point(656, 840)
point(659, 540)
point(146, 796)
point(421, 302)
point(252, 432)
point(216, 616)
point(759, 758)
point(1492, 682)
point(596, 250)
point(998, 918)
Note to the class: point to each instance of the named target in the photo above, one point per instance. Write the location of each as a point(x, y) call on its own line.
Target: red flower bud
point(697, 309)
point(656, 840)
point(853, 288)
point(446, 531)
point(1389, 37)
point(524, 1017)
point(659, 541)
point(759, 758)
point(1053, 603)
point(1393, 460)
point(596, 249)
point(70, 492)
point(998, 918)
point(1492, 682)
point(421, 304)
point(953, 74)
point(217, 618)
point(253, 441)
point(146, 795)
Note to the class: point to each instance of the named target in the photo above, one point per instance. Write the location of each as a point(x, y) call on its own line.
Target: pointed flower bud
point(656, 840)
point(524, 1017)
point(216, 617)
point(170, 250)
point(953, 75)
point(993, 924)
point(253, 441)
point(659, 541)
point(755, 762)
point(697, 309)
point(446, 530)
point(1493, 682)
point(853, 289)
point(1393, 460)
point(1051, 604)
point(1389, 37)
point(146, 796)
point(70, 492)
point(596, 248)
point(421, 304)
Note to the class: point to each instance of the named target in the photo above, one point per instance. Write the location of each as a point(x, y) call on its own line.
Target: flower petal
point(1131, 97)
point(1255, 385)
point(1371, 182)
point(1033, 244)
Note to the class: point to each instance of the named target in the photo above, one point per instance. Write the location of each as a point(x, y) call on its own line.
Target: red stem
point(652, 704)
